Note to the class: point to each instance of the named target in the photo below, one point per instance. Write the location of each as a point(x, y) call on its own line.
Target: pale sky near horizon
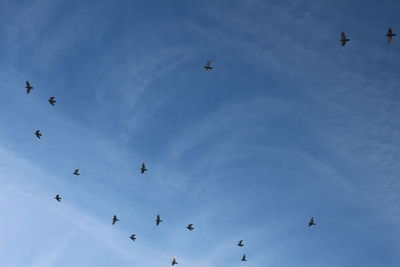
point(288, 125)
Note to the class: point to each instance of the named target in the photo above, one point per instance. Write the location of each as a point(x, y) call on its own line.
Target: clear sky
point(287, 125)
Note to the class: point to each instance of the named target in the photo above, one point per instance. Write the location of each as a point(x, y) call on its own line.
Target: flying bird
point(143, 168)
point(344, 39)
point(389, 35)
point(58, 198)
point(244, 258)
point(28, 87)
point(38, 134)
point(208, 67)
point(76, 172)
point(311, 223)
point(174, 261)
point(190, 227)
point(158, 220)
point(240, 244)
point(133, 237)
point(115, 219)
point(52, 101)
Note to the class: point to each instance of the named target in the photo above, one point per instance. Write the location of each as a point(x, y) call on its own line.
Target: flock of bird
point(143, 168)
point(389, 36)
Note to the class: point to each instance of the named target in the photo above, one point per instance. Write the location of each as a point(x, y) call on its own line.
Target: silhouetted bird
point(389, 35)
point(76, 172)
point(115, 219)
point(52, 101)
point(28, 87)
point(133, 237)
point(244, 258)
point(174, 261)
point(143, 168)
point(240, 244)
point(311, 223)
point(190, 227)
point(208, 67)
point(38, 134)
point(158, 220)
point(58, 198)
point(344, 39)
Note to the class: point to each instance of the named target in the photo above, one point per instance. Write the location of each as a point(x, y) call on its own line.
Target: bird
point(244, 257)
point(133, 237)
point(58, 198)
point(311, 223)
point(240, 244)
point(38, 134)
point(143, 168)
point(28, 87)
point(344, 39)
point(52, 101)
point(174, 261)
point(208, 67)
point(190, 227)
point(389, 35)
point(76, 172)
point(158, 220)
point(115, 219)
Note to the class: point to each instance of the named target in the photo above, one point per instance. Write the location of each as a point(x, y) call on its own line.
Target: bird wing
point(390, 31)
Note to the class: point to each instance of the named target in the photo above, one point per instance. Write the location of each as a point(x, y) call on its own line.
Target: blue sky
point(287, 125)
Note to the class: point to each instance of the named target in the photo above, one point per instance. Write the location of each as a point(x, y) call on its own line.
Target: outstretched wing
point(389, 35)
point(28, 87)
point(143, 168)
